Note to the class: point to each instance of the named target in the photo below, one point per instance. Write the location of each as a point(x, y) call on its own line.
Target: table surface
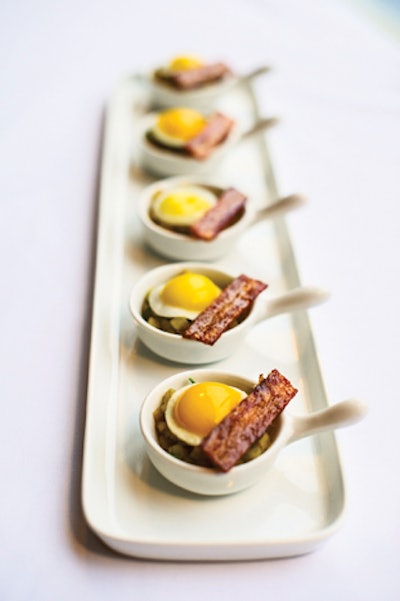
point(336, 87)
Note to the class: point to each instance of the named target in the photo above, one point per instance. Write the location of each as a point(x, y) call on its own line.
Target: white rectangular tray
point(126, 502)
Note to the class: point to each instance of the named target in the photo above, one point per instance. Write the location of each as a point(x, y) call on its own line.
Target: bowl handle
point(342, 414)
point(300, 298)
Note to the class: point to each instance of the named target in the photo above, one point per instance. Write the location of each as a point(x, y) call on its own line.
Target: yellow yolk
point(185, 295)
point(182, 123)
point(183, 63)
point(176, 126)
point(190, 291)
point(182, 206)
point(204, 405)
point(193, 411)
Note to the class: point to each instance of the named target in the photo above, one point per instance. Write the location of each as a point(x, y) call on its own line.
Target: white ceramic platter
point(126, 502)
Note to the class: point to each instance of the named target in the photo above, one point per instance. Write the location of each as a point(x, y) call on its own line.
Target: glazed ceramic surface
point(129, 505)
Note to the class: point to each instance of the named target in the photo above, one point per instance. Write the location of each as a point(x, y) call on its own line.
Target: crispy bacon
point(225, 212)
point(229, 306)
point(231, 438)
point(193, 78)
point(215, 132)
point(189, 79)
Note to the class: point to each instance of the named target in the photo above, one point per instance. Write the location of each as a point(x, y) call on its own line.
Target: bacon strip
point(231, 438)
point(189, 79)
point(193, 78)
point(223, 213)
point(215, 132)
point(233, 301)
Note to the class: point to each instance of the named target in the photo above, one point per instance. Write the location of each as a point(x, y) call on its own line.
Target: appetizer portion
point(193, 306)
point(190, 73)
point(189, 132)
point(200, 212)
point(216, 425)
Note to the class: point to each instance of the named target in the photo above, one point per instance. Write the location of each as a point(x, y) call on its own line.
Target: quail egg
point(194, 410)
point(182, 206)
point(185, 295)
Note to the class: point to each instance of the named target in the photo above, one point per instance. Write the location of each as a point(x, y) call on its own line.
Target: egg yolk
point(183, 63)
point(202, 406)
point(181, 123)
point(190, 291)
point(180, 203)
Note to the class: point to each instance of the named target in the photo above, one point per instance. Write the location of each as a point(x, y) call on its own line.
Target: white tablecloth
point(336, 87)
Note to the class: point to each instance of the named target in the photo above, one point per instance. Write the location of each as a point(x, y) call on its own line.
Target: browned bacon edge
point(190, 79)
point(223, 213)
point(229, 305)
point(231, 438)
point(215, 132)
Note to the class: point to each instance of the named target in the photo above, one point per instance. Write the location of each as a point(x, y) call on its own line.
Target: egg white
point(194, 215)
point(182, 433)
point(165, 139)
point(160, 308)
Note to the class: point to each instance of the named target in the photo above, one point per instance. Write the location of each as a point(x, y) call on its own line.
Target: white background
point(336, 86)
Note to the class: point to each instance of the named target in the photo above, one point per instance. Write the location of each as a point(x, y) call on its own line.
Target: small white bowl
point(204, 97)
point(182, 350)
point(179, 246)
point(210, 481)
point(165, 162)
